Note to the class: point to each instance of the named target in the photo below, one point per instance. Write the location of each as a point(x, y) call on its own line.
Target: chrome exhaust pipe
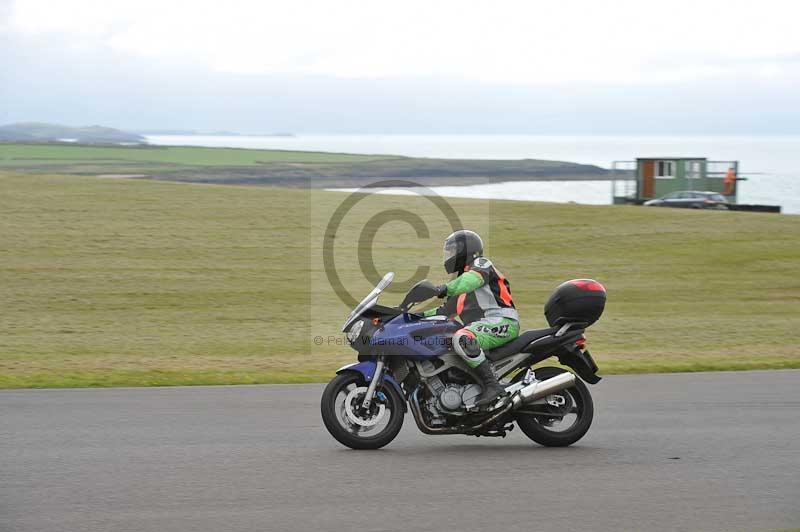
point(537, 390)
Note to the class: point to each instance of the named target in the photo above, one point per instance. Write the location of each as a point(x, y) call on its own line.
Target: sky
point(334, 66)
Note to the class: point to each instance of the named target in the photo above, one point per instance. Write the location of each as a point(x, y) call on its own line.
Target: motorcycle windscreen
point(368, 301)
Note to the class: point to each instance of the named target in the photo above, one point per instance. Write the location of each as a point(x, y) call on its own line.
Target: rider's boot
point(492, 390)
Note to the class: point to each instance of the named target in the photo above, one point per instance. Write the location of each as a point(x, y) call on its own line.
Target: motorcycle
point(406, 360)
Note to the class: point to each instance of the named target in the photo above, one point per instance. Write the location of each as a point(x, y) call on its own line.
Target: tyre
point(563, 422)
point(349, 424)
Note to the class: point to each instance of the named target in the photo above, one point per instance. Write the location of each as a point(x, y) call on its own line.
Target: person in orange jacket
point(730, 181)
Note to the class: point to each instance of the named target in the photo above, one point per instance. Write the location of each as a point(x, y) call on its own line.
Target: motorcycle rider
point(480, 296)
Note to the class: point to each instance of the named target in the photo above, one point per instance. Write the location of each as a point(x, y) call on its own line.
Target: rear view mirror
point(422, 291)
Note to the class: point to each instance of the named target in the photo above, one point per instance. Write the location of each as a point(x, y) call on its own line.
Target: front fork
point(373, 384)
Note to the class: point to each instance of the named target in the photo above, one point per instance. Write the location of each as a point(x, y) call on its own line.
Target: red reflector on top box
point(589, 285)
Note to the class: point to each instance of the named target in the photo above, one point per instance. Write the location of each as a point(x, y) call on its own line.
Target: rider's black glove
point(441, 291)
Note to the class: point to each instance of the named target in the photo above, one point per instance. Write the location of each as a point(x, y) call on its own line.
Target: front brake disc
point(355, 395)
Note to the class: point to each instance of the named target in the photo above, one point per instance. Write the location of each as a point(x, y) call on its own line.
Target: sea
point(771, 164)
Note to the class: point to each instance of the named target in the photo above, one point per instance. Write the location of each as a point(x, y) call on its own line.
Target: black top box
point(576, 301)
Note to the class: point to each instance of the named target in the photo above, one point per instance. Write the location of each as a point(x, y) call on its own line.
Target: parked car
point(690, 199)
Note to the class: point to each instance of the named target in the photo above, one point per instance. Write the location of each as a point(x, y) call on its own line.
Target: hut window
point(693, 169)
point(664, 169)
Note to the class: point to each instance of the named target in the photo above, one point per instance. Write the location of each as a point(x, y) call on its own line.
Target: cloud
point(505, 42)
point(405, 67)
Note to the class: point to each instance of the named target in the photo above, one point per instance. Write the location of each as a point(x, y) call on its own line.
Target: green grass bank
point(113, 282)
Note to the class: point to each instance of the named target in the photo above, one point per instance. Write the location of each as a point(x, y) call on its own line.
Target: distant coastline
point(286, 168)
point(221, 133)
point(45, 132)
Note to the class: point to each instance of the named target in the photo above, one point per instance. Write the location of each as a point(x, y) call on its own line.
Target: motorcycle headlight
point(355, 331)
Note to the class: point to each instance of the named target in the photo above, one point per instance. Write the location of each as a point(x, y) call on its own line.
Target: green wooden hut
point(653, 177)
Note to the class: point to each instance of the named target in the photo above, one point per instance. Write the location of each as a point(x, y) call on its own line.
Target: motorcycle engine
point(454, 397)
point(450, 396)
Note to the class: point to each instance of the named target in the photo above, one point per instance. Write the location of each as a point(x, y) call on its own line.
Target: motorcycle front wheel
point(347, 421)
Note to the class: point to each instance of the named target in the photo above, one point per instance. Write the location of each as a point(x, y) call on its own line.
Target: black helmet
point(460, 248)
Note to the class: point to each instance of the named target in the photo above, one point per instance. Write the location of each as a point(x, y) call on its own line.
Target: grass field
point(273, 167)
point(127, 282)
point(31, 154)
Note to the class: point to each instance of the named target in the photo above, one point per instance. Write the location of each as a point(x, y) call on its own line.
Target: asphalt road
point(716, 451)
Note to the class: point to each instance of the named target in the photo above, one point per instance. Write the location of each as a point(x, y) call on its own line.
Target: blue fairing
point(409, 336)
point(414, 337)
point(367, 369)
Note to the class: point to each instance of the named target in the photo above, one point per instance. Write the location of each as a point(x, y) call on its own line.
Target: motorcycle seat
point(519, 343)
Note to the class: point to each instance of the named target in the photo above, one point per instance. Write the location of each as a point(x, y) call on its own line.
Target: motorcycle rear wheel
point(341, 413)
point(578, 401)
